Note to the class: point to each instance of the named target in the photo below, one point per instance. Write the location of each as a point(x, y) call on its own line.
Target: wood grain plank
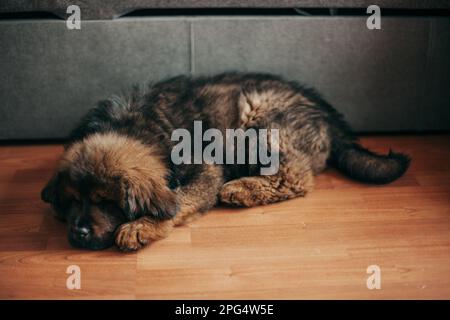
point(314, 247)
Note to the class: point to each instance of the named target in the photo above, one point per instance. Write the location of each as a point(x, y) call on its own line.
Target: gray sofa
point(393, 79)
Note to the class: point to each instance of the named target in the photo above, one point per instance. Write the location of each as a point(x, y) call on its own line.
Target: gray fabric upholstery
point(435, 105)
point(392, 79)
point(51, 76)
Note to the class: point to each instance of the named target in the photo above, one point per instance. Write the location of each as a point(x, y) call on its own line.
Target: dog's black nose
point(81, 233)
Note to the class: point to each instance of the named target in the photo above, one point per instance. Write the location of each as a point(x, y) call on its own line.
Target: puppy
point(116, 182)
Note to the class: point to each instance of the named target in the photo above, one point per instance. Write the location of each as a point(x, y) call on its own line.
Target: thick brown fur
point(118, 158)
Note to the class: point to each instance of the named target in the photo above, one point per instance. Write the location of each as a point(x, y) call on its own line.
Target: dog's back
point(306, 121)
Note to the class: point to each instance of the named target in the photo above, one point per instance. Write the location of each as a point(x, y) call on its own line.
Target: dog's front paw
point(249, 192)
point(131, 236)
point(235, 193)
point(134, 235)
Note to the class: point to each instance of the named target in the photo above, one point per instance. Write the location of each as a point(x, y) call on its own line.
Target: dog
point(116, 183)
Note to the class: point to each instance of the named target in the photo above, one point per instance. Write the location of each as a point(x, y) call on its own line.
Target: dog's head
point(107, 180)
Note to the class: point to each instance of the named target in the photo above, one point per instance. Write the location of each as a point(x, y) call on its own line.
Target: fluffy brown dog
point(116, 181)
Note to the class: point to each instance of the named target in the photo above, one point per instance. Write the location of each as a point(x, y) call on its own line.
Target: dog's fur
point(116, 181)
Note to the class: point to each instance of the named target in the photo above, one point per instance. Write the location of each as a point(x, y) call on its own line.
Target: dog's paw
point(134, 235)
point(131, 236)
point(236, 193)
point(250, 192)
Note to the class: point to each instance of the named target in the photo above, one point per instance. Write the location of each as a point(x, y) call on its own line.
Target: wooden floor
point(315, 247)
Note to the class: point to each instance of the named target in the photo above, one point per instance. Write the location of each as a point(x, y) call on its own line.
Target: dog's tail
point(367, 166)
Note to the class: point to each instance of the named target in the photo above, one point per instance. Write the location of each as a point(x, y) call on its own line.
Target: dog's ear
point(148, 198)
point(48, 194)
point(53, 194)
